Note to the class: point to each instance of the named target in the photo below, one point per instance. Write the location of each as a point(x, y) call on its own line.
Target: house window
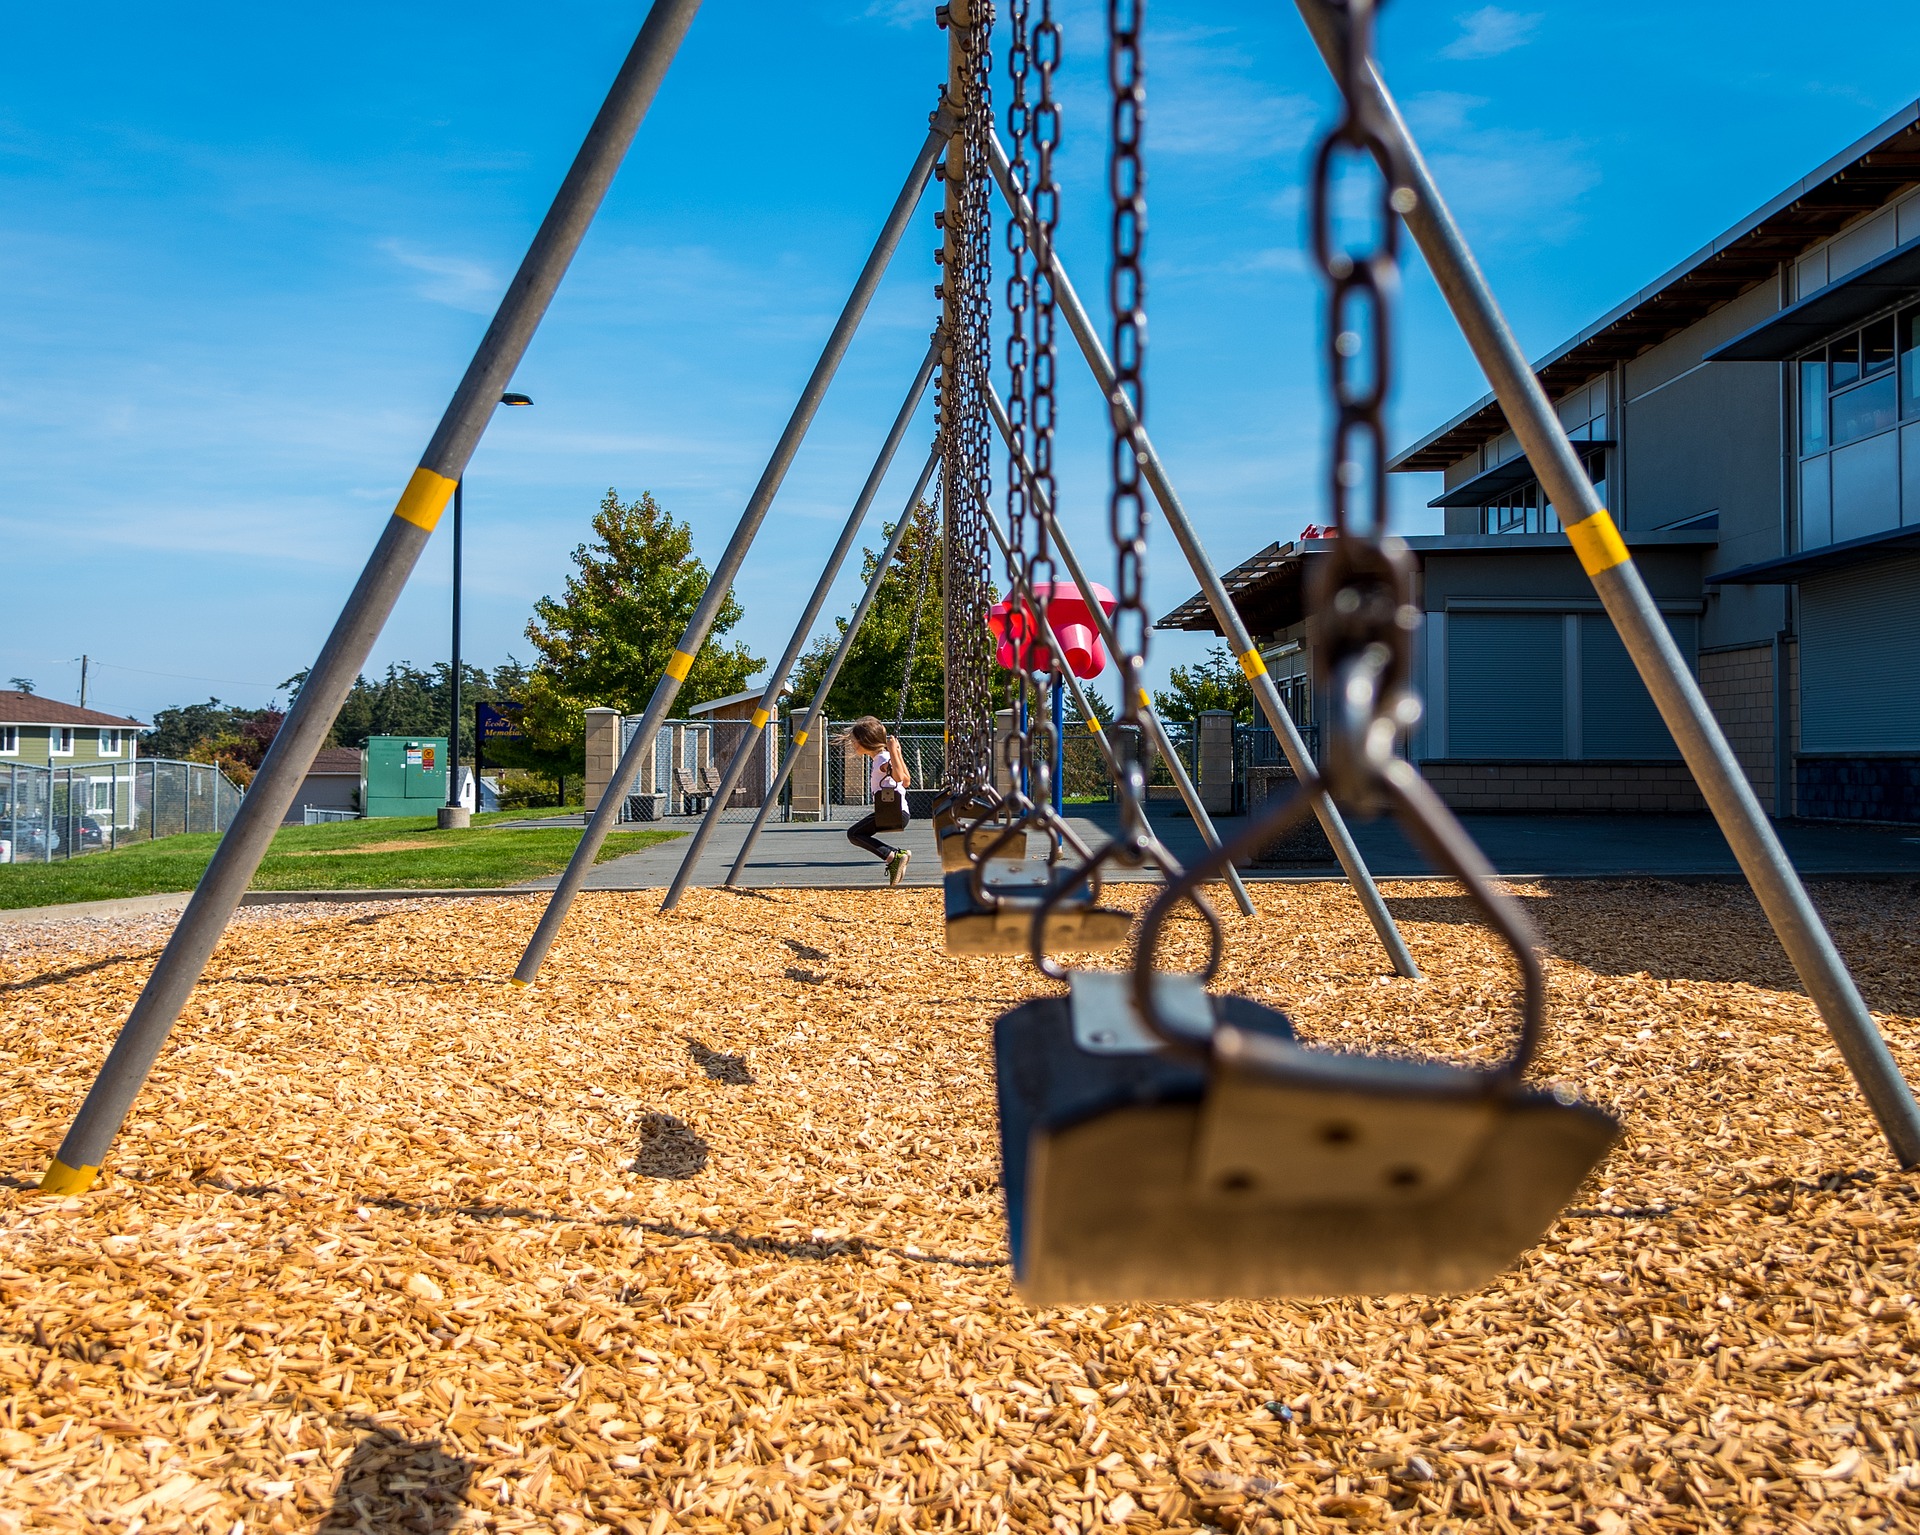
point(1854, 393)
point(60, 741)
point(100, 794)
point(9, 740)
point(109, 743)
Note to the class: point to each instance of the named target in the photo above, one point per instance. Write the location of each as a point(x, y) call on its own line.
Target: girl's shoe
point(897, 866)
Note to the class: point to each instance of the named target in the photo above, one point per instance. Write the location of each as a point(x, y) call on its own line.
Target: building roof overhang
point(1860, 179)
point(1789, 568)
point(1270, 588)
point(1878, 285)
point(752, 695)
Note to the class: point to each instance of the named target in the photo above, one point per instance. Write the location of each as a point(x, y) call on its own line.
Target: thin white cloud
point(1523, 187)
point(451, 280)
point(1491, 31)
point(900, 13)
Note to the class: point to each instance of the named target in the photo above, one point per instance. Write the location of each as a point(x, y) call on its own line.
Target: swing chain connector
point(1363, 612)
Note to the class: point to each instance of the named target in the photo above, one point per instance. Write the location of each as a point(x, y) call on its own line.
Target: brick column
point(603, 752)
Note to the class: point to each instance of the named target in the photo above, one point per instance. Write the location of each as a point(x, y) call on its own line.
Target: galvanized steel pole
point(1163, 743)
point(777, 678)
point(1224, 612)
point(345, 652)
point(668, 687)
point(1603, 555)
point(819, 705)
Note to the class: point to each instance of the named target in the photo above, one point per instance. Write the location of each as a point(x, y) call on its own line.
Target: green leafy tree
point(1216, 683)
point(607, 640)
point(870, 681)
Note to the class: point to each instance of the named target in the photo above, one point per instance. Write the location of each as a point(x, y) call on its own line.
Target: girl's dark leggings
point(861, 834)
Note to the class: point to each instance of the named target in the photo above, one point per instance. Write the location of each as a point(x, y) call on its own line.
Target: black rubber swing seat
point(1134, 1172)
point(963, 844)
point(960, 842)
point(1076, 924)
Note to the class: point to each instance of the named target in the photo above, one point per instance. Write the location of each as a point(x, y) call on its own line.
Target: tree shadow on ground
point(392, 1484)
point(1706, 930)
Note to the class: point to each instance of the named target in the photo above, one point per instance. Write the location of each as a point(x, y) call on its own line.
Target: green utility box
point(405, 775)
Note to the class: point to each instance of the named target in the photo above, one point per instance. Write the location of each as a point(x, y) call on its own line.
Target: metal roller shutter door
point(1506, 685)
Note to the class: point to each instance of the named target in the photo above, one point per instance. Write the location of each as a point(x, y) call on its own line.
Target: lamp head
point(516, 399)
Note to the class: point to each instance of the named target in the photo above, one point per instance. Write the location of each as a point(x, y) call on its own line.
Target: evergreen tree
point(607, 640)
point(869, 682)
point(1216, 683)
point(409, 701)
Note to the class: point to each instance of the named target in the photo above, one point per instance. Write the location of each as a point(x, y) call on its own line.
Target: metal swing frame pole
point(667, 688)
point(777, 679)
point(819, 705)
point(1224, 612)
point(1108, 637)
point(272, 792)
point(1616, 579)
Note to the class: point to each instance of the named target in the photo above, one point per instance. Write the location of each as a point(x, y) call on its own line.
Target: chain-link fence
point(50, 813)
point(829, 781)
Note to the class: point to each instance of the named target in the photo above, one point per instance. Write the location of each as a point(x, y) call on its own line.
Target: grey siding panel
point(1505, 685)
point(1617, 716)
point(1860, 660)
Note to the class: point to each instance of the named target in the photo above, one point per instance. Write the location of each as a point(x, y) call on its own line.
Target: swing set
point(1158, 1141)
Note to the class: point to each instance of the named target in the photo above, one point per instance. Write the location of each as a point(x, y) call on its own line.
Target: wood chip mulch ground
point(703, 1234)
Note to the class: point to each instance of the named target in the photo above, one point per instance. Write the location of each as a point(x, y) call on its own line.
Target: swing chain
point(1364, 615)
point(1126, 294)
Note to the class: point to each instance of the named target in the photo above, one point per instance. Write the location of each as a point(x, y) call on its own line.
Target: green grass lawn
point(391, 853)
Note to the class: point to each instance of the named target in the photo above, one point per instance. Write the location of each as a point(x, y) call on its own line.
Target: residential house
point(42, 732)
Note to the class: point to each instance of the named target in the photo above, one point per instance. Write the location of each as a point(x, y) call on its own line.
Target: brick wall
point(1739, 689)
point(1642, 787)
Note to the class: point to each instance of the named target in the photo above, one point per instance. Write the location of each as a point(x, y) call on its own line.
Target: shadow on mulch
point(669, 1148)
point(391, 1484)
point(719, 1066)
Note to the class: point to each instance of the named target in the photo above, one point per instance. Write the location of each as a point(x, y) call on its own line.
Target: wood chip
point(703, 1234)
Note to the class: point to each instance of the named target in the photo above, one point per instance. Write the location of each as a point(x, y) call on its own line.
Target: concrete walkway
point(803, 854)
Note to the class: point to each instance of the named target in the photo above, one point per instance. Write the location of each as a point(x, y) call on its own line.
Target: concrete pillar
point(1215, 729)
point(603, 752)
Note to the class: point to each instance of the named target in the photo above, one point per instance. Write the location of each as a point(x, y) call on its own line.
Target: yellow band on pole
point(799, 738)
point(62, 1179)
point(1094, 726)
point(1252, 665)
point(760, 718)
point(679, 666)
point(1598, 543)
point(516, 981)
point(424, 499)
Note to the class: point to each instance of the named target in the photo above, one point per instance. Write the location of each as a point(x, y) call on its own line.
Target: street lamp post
point(454, 814)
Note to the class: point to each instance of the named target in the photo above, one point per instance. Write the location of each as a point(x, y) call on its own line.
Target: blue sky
point(246, 251)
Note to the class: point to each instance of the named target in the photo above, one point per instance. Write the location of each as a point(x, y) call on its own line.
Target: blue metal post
point(1059, 745)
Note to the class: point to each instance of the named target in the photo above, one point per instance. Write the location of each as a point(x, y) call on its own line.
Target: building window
point(109, 743)
point(1527, 509)
point(9, 740)
point(100, 794)
point(1854, 393)
point(60, 741)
